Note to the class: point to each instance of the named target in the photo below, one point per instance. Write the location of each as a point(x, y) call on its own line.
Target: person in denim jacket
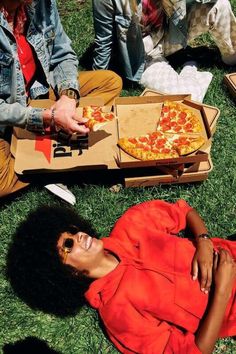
point(119, 27)
point(36, 60)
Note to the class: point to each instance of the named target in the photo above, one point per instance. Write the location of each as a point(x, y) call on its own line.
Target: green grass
point(215, 199)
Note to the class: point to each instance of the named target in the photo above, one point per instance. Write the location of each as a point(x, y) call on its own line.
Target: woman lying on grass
point(155, 292)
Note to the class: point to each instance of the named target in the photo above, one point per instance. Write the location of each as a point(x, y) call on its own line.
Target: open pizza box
point(99, 151)
point(54, 152)
point(139, 115)
point(230, 81)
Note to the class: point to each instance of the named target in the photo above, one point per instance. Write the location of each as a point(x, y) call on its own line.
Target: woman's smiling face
point(80, 251)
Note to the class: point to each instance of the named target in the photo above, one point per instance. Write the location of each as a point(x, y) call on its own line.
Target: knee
point(229, 59)
point(114, 79)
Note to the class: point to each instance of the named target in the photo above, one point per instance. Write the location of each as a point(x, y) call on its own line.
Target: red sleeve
point(134, 333)
point(151, 216)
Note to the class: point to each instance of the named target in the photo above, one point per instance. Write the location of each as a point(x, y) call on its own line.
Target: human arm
point(225, 276)
point(63, 60)
point(63, 116)
point(104, 25)
point(203, 259)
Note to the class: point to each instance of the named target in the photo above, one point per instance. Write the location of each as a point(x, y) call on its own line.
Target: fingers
point(195, 269)
point(215, 260)
point(225, 256)
point(75, 127)
point(206, 278)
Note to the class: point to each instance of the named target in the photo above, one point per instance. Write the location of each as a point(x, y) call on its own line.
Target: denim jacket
point(53, 50)
point(116, 22)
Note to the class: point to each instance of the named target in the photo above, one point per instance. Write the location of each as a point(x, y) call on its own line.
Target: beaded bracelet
point(205, 236)
point(52, 123)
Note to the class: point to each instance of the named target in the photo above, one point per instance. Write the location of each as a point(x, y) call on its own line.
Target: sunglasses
point(68, 242)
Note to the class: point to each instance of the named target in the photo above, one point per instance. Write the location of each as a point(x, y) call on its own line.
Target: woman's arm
point(203, 258)
point(104, 26)
point(225, 275)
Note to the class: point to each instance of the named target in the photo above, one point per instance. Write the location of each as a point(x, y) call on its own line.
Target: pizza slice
point(152, 146)
point(96, 117)
point(176, 118)
point(186, 144)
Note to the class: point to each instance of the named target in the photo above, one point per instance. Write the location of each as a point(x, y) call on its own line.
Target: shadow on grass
point(34, 268)
point(29, 345)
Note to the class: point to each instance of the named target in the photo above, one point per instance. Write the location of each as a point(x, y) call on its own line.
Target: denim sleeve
point(64, 62)
point(15, 114)
point(103, 14)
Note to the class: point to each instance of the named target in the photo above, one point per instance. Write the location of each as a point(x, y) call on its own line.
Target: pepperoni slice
point(109, 116)
point(165, 120)
point(181, 121)
point(143, 139)
point(165, 109)
point(173, 124)
point(165, 127)
point(147, 148)
point(177, 128)
point(173, 114)
point(188, 126)
point(165, 150)
point(156, 151)
point(160, 142)
point(133, 140)
point(182, 115)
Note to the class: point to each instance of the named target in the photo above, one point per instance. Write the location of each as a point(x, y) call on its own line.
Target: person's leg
point(222, 30)
point(9, 181)
point(100, 83)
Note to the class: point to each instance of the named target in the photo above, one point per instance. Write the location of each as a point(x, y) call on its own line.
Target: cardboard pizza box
point(153, 176)
point(98, 151)
point(52, 153)
point(230, 81)
point(139, 115)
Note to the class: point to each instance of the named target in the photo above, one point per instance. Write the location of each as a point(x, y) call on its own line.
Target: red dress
point(149, 302)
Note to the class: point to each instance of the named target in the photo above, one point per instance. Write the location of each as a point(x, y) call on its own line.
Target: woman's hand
point(203, 263)
point(224, 273)
point(224, 277)
point(65, 116)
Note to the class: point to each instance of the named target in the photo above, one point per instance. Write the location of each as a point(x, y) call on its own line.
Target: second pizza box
point(140, 115)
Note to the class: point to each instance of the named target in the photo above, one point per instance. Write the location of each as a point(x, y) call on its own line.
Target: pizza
point(151, 146)
point(177, 118)
point(157, 145)
point(186, 144)
point(179, 132)
point(96, 117)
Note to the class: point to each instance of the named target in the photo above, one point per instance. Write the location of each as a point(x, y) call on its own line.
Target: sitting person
point(145, 30)
point(37, 61)
point(152, 289)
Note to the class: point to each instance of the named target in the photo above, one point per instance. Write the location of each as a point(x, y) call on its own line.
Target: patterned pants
point(223, 30)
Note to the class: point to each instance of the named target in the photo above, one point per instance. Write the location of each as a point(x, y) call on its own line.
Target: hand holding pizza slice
point(96, 117)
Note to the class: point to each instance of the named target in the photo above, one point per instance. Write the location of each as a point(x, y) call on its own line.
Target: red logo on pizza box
point(63, 148)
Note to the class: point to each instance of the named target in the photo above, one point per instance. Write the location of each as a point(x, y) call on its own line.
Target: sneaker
point(62, 192)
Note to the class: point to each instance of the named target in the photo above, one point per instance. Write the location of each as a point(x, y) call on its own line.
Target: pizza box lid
point(51, 153)
point(139, 115)
point(211, 113)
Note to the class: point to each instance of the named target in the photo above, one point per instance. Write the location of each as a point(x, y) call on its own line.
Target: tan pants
point(223, 31)
point(101, 83)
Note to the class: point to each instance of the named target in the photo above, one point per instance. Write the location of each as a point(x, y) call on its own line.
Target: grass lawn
point(215, 199)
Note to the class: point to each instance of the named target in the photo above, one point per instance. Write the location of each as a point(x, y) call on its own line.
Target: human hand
point(65, 116)
point(203, 263)
point(224, 273)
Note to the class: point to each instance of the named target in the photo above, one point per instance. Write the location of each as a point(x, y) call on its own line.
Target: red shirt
point(26, 58)
point(149, 303)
